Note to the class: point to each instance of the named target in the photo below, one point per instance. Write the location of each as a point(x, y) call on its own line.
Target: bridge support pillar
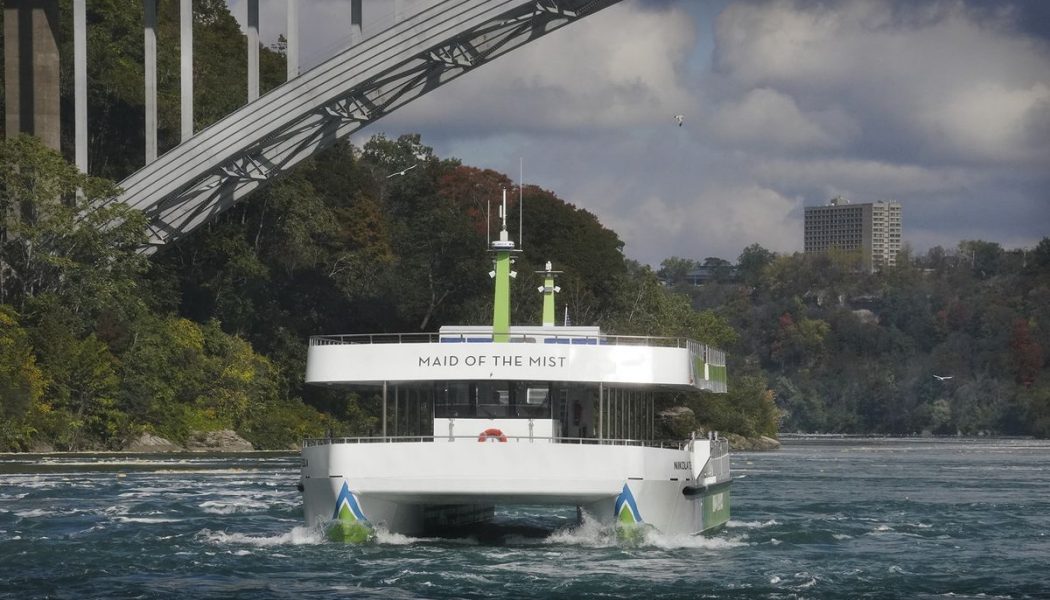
point(253, 50)
point(80, 85)
point(292, 51)
point(149, 28)
point(186, 66)
point(356, 23)
point(31, 70)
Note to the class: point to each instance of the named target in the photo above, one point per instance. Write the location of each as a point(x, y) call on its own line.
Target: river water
point(818, 519)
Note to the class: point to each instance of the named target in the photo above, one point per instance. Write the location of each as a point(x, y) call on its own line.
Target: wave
point(751, 524)
point(593, 534)
point(219, 507)
point(298, 536)
point(147, 520)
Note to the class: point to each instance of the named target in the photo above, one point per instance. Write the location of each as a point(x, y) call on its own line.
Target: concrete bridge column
point(80, 125)
point(356, 23)
point(150, 34)
point(31, 70)
point(186, 66)
point(253, 50)
point(292, 36)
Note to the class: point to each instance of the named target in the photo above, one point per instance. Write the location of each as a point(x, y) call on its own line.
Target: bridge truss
point(251, 147)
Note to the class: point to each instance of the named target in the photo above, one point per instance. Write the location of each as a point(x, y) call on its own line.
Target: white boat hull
point(412, 487)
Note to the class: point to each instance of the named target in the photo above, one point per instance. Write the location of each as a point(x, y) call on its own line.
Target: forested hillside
point(99, 343)
point(856, 352)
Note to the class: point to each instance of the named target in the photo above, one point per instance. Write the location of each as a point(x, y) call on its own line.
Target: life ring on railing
point(492, 433)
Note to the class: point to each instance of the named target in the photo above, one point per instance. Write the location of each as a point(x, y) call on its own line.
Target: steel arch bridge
point(205, 175)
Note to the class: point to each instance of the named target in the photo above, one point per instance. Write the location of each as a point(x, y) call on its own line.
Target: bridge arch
point(254, 145)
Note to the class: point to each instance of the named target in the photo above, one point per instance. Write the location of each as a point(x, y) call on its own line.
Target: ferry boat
point(479, 416)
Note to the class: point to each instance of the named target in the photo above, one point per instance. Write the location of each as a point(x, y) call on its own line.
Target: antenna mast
point(502, 274)
point(521, 200)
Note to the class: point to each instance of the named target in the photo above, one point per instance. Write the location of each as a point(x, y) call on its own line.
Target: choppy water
point(819, 519)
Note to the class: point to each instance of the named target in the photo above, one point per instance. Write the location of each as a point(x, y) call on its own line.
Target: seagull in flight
point(403, 171)
point(943, 377)
point(679, 119)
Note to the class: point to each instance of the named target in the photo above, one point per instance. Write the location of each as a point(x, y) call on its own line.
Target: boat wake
point(592, 534)
point(298, 536)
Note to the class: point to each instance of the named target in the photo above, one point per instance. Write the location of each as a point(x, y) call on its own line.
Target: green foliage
point(747, 409)
point(21, 382)
point(851, 351)
point(87, 263)
point(116, 53)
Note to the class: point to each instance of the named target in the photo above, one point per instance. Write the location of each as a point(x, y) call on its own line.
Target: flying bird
point(402, 172)
point(679, 119)
point(943, 377)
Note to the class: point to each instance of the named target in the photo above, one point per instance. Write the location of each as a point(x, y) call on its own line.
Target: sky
point(941, 105)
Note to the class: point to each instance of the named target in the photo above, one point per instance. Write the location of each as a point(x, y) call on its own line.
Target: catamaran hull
point(417, 487)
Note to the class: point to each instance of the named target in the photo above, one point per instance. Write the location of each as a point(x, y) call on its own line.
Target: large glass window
point(493, 399)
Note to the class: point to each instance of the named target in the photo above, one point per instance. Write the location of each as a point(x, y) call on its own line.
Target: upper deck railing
point(515, 338)
point(520, 439)
point(708, 354)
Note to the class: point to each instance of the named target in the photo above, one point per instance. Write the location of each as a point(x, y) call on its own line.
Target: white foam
point(35, 512)
point(298, 536)
point(218, 507)
point(147, 520)
point(751, 524)
point(393, 539)
point(669, 542)
point(591, 533)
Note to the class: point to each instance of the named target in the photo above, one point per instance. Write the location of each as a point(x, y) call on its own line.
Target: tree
point(752, 262)
point(88, 261)
point(22, 382)
point(675, 270)
point(1027, 355)
point(985, 258)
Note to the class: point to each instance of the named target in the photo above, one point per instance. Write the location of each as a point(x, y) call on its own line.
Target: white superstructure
point(476, 416)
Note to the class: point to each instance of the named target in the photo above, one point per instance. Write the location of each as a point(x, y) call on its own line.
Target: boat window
point(457, 400)
point(536, 396)
point(493, 399)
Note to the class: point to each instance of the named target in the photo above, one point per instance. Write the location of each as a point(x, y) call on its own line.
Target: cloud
point(993, 122)
point(765, 118)
point(943, 105)
point(867, 179)
point(592, 77)
point(712, 222)
point(928, 81)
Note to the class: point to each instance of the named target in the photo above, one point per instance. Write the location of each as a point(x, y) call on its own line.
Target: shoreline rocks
point(147, 442)
point(756, 444)
point(224, 440)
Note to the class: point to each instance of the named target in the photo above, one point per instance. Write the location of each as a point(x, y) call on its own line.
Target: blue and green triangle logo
point(626, 509)
point(346, 506)
point(348, 521)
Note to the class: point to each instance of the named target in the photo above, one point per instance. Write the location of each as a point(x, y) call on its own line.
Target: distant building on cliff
point(873, 230)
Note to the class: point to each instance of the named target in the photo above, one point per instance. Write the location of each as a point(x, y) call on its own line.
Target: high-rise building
point(873, 230)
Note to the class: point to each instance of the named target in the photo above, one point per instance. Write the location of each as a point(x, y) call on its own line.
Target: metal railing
point(669, 444)
point(476, 338)
point(718, 464)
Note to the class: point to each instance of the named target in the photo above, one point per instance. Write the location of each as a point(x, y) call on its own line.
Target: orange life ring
point(492, 433)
